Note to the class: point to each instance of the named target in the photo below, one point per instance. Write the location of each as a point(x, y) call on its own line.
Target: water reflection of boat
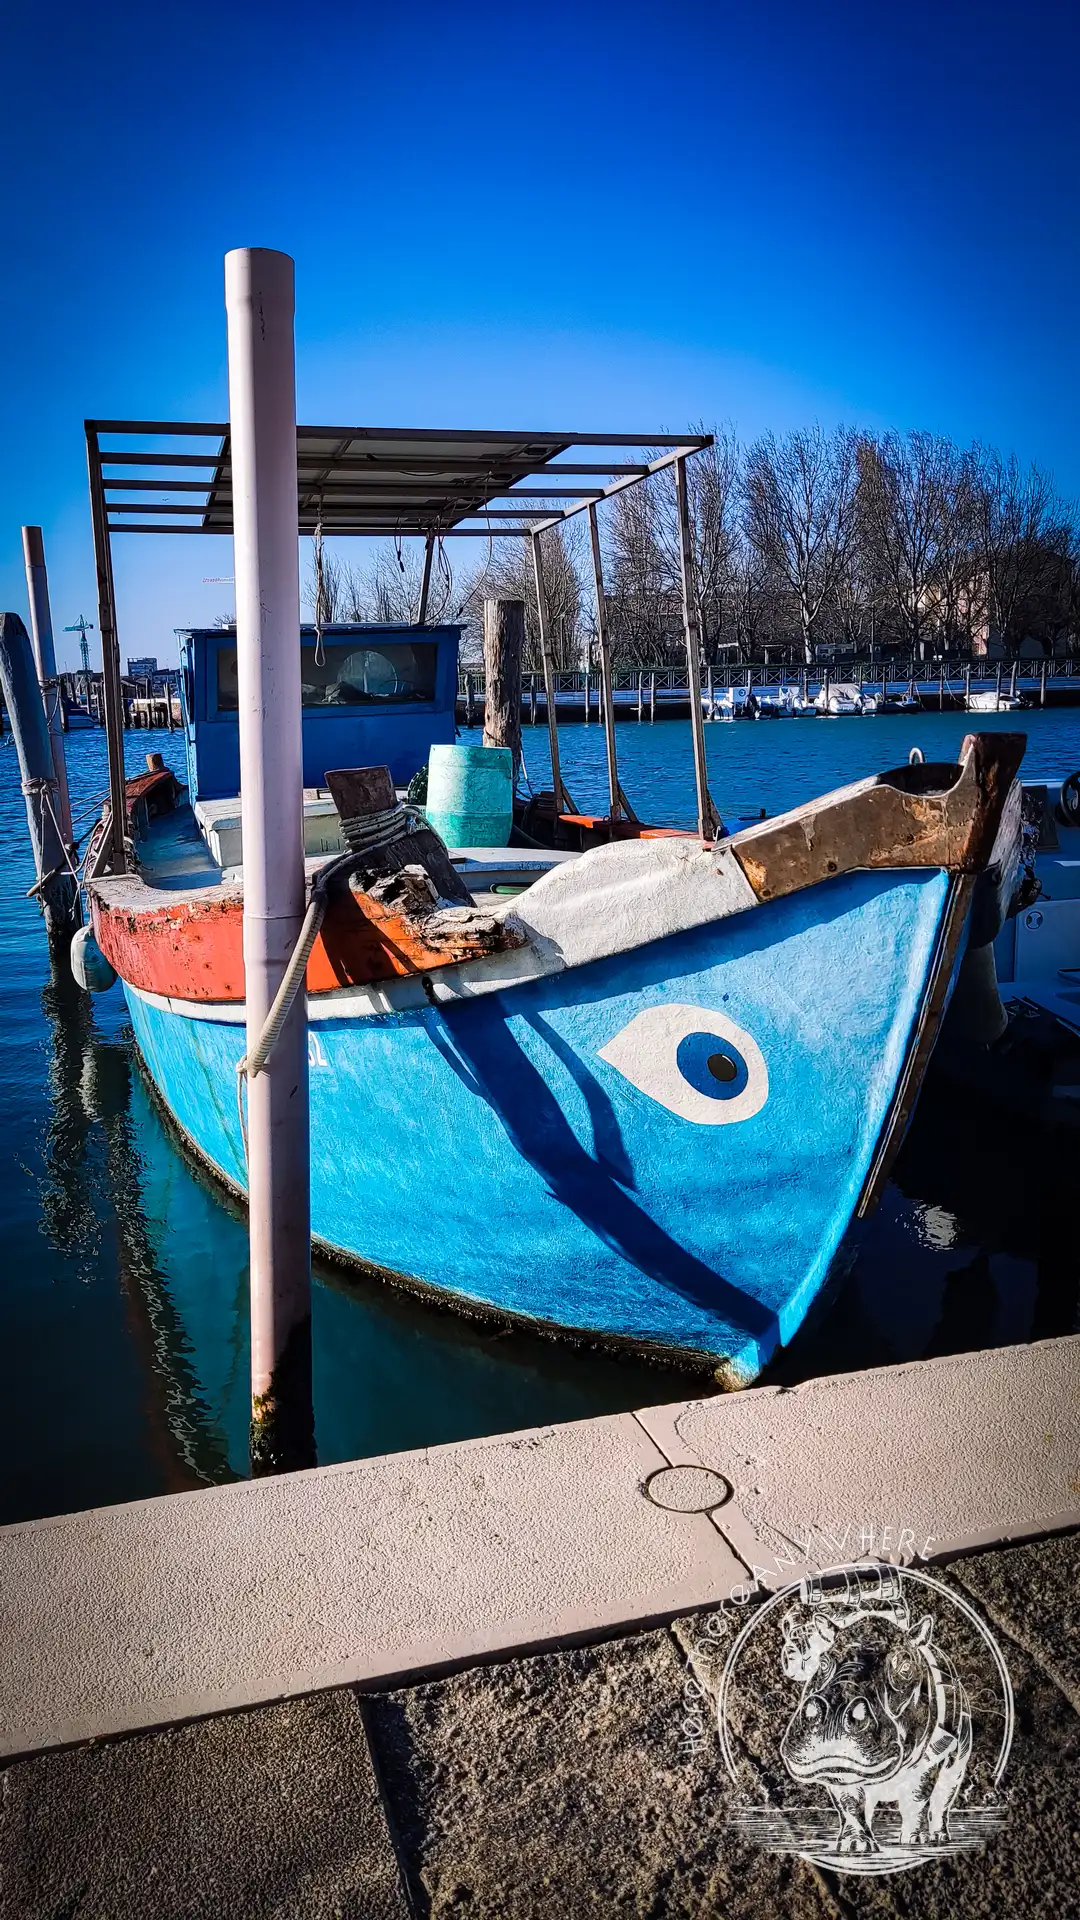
point(681, 1069)
point(92, 1101)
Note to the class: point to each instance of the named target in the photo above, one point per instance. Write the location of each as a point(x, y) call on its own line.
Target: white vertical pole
point(262, 415)
point(41, 636)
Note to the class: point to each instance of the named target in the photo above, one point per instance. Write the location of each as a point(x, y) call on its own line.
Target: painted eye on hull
point(696, 1063)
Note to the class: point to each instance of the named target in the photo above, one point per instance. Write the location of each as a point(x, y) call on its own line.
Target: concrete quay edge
point(377, 1571)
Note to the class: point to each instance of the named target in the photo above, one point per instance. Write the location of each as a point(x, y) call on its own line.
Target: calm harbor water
point(125, 1269)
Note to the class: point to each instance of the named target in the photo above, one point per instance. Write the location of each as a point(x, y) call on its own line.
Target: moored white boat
point(991, 701)
point(838, 700)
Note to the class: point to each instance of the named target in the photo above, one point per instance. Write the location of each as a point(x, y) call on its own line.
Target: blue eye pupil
point(712, 1066)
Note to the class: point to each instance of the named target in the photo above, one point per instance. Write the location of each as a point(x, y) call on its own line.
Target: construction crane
point(82, 627)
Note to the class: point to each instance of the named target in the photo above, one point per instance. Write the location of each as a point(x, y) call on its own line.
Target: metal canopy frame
point(400, 483)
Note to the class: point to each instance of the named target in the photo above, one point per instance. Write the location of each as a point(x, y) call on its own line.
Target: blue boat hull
point(564, 1149)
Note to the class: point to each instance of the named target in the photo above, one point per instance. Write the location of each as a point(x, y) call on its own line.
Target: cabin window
point(349, 675)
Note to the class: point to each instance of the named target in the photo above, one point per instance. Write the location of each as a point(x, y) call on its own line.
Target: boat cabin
point(372, 695)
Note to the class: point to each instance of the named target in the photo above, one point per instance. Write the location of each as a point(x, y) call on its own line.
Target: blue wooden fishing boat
point(638, 1094)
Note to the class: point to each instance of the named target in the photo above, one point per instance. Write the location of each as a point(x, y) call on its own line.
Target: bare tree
point(713, 485)
point(903, 487)
point(799, 494)
point(385, 587)
point(958, 583)
point(1015, 522)
point(641, 574)
point(506, 573)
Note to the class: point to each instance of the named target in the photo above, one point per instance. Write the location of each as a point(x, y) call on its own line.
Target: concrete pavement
point(162, 1610)
point(483, 1656)
point(544, 1788)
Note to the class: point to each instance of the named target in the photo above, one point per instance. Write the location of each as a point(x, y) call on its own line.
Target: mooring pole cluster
point(259, 301)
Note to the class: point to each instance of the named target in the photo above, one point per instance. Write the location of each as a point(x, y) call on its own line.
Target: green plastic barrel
point(470, 795)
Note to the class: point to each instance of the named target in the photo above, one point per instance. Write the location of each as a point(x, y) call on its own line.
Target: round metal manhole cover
point(687, 1489)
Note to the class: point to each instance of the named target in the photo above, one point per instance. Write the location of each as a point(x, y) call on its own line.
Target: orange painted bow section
point(194, 949)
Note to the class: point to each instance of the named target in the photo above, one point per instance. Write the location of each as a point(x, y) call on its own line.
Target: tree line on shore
point(809, 544)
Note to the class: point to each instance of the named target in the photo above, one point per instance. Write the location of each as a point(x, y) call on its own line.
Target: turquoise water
point(125, 1270)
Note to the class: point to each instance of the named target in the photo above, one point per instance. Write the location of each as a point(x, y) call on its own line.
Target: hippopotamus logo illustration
point(883, 1717)
point(891, 1749)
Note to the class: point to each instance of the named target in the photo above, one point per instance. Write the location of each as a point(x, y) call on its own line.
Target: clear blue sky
point(600, 215)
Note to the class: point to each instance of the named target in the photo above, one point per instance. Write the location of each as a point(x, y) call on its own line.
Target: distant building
point(142, 669)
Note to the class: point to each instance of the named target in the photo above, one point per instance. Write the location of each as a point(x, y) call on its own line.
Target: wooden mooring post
point(652, 698)
point(640, 692)
point(1042, 683)
point(54, 886)
point(504, 641)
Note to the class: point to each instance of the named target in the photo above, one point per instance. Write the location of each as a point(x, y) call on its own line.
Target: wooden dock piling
point(55, 885)
point(504, 642)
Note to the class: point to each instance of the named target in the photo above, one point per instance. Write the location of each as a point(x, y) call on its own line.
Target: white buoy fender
point(92, 971)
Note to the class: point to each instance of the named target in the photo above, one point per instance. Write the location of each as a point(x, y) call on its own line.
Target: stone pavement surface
point(374, 1572)
point(540, 1788)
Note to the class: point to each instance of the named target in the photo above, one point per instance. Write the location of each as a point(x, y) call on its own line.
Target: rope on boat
point(364, 832)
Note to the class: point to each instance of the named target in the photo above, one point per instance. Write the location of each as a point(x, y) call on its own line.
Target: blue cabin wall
point(399, 735)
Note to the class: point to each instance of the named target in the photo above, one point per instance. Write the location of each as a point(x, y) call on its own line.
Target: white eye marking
point(693, 1061)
